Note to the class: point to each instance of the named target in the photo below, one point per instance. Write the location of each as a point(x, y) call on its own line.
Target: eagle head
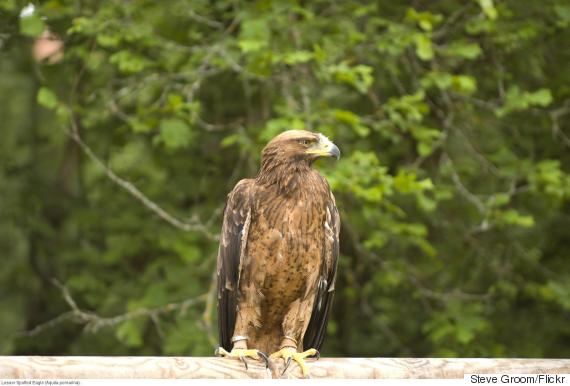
point(299, 146)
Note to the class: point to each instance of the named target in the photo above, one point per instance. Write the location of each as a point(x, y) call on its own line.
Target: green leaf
point(296, 57)
point(518, 100)
point(359, 76)
point(424, 48)
point(129, 62)
point(478, 26)
point(377, 240)
point(500, 199)
point(440, 80)
point(47, 98)
point(408, 109)
point(542, 97)
point(250, 45)
point(488, 8)
point(352, 120)
point(364, 77)
point(405, 182)
point(424, 148)
point(31, 25)
point(130, 333)
point(513, 217)
point(175, 133)
point(63, 112)
point(425, 246)
point(361, 130)
point(425, 20)
point(230, 140)
point(346, 116)
point(547, 177)
point(462, 49)
point(464, 84)
point(254, 35)
point(464, 335)
point(81, 25)
point(109, 40)
point(138, 126)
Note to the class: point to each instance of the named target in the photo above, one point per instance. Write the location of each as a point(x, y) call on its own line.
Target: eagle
point(278, 254)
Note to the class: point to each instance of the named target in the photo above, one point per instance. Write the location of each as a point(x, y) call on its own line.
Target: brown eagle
point(278, 254)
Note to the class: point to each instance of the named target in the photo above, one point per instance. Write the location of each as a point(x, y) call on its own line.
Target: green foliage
point(31, 25)
point(453, 186)
point(174, 133)
point(517, 100)
point(47, 98)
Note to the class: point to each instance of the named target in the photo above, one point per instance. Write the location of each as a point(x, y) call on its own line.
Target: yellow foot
point(289, 353)
point(242, 354)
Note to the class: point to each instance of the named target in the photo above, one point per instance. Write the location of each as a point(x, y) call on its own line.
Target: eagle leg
point(242, 354)
point(290, 354)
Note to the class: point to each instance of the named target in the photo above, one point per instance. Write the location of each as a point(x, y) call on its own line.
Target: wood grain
point(12, 367)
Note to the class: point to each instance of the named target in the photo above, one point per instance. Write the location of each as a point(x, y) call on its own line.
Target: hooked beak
point(324, 148)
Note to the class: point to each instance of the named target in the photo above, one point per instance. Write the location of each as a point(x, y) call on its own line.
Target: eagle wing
point(315, 334)
point(233, 239)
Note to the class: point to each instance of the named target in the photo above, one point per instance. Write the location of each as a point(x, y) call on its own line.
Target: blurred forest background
point(124, 124)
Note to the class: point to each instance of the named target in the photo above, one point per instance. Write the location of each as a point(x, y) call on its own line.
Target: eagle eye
point(304, 141)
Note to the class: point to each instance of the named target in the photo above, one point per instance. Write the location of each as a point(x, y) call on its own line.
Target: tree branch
point(135, 192)
point(94, 322)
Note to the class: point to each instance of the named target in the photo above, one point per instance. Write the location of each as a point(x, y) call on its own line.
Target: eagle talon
point(242, 358)
point(289, 354)
point(242, 354)
point(317, 356)
point(286, 365)
point(265, 358)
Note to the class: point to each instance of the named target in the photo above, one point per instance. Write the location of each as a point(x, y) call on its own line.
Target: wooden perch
point(188, 367)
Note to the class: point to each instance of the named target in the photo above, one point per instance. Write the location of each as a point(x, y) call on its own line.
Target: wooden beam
point(188, 367)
